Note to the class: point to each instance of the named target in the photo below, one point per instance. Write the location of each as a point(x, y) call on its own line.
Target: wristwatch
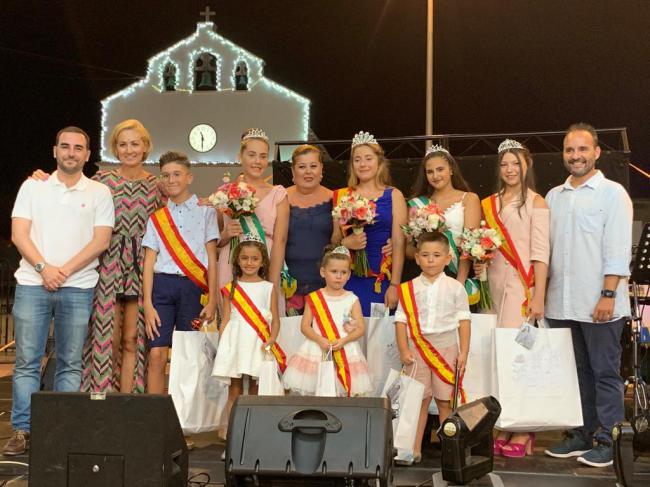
point(608, 293)
point(39, 267)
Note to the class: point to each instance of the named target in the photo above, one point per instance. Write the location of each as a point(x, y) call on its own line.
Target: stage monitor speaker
point(466, 441)
point(315, 441)
point(122, 440)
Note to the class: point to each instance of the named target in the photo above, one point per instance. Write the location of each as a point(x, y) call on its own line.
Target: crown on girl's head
point(341, 250)
point(251, 237)
point(436, 148)
point(363, 138)
point(509, 144)
point(255, 134)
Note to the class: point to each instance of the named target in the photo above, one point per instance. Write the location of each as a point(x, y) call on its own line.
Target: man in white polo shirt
point(60, 227)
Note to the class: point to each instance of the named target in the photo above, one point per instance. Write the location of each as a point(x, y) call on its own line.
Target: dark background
point(500, 66)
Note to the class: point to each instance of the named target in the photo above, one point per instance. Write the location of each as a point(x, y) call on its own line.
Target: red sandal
point(519, 450)
point(497, 445)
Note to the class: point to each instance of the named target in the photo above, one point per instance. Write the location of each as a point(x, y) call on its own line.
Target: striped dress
point(120, 277)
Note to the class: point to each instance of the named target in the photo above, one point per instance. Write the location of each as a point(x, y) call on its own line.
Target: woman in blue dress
point(310, 224)
point(369, 177)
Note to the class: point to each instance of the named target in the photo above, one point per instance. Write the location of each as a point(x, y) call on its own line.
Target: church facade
point(199, 96)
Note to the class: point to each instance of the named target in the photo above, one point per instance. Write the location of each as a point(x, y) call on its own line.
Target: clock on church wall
point(203, 137)
point(200, 95)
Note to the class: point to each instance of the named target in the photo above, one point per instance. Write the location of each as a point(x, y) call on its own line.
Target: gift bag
point(537, 387)
point(477, 381)
point(381, 350)
point(406, 396)
point(326, 379)
point(198, 397)
point(269, 383)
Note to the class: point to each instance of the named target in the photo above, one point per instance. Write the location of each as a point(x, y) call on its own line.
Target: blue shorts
point(177, 301)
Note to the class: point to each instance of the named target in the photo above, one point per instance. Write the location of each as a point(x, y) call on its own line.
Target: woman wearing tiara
point(517, 273)
point(369, 177)
point(440, 181)
point(271, 217)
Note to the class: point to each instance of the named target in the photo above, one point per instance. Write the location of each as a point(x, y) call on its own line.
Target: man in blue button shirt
point(591, 245)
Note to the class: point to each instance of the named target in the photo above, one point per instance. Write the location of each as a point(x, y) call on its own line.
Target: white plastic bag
point(406, 401)
point(269, 383)
point(382, 353)
point(198, 397)
point(479, 370)
point(537, 388)
point(326, 380)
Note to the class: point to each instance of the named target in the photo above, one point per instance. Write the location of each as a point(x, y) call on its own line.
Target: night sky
point(500, 65)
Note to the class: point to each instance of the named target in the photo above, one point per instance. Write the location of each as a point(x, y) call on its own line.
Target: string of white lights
point(204, 40)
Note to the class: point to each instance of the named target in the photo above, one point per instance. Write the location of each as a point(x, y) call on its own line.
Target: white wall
point(169, 116)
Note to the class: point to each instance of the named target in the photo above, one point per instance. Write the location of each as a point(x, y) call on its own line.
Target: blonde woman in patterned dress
point(114, 356)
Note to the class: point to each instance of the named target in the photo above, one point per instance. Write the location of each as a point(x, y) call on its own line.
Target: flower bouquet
point(235, 200)
point(424, 219)
point(355, 212)
point(479, 245)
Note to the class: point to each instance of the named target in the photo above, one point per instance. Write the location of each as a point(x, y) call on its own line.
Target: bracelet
point(393, 284)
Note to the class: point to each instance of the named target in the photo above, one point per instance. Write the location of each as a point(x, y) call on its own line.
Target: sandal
point(497, 445)
point(519, 450)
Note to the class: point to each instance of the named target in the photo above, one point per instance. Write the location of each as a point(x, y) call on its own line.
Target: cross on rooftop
point(207, 13)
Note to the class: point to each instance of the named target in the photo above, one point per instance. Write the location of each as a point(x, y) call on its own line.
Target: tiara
point(363, 138)
point(341, 250)
point(251, 237)
point(436, 148)
point(255, 134)
point(509, 144)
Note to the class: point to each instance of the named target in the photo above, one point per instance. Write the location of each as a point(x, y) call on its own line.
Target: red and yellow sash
point(328, 329)
point(179, 251)
point(254, 317)
point(508, 248)
point(427, 351)
point(386, 263)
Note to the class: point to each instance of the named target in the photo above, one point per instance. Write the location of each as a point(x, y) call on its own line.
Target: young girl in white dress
point(331, 305)
point(241, 348)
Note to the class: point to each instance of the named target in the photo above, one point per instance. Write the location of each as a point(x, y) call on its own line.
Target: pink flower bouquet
point(355, 212)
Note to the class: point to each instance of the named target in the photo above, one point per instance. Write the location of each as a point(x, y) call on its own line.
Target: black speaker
point(122, 440)
point(466, 441)
point(315, 441)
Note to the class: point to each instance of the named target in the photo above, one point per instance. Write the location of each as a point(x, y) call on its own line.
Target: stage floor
point(536, 471)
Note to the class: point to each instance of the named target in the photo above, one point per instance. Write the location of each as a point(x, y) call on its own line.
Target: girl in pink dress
point(517, 283)
point(272, 211)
